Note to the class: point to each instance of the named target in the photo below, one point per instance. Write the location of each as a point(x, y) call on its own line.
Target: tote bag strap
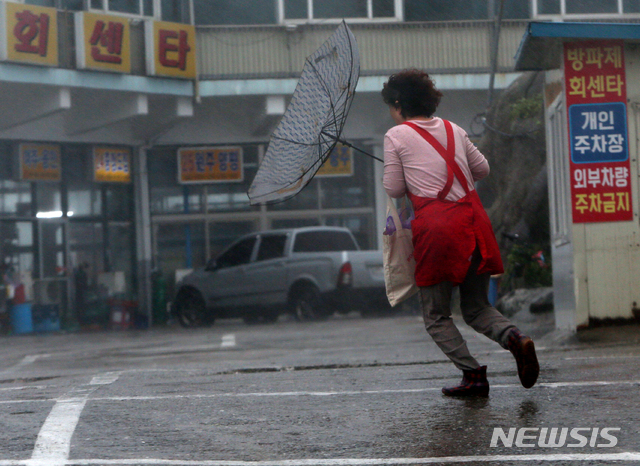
point(447, 154)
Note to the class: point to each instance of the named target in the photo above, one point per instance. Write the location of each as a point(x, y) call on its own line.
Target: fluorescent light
point(53, 214)
point(50, 214)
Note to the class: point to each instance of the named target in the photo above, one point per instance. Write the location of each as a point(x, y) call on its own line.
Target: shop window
point(176, 11)
point(296, 9)
point(84, 197)
point(118, 199)
point(180, 245)
point(51, 248)
point(125, 6)
point(48, 200)
point(221, 12)
point(86, 246)
point(631, 6)
point(168, 196)
point(15, 198)
point(355, 190)
point(548, 7)
point(305, 200)
point(222, 234)
point(359, 225)
point(16, 246)
point(591, 6)
point(515, 9)
point(338, 9)
point(50, 3)
point(130, 7)
point(121, 256)
point(444, 10)
point(74, 5)
point(383, 8)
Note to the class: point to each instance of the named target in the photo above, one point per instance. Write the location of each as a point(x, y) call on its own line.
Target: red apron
point(446, 233)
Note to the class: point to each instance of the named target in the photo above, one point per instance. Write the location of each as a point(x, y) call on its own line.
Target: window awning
point(541, 46)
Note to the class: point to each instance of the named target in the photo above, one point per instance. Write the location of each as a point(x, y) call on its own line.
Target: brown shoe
point(524, 351)
point(474, 383)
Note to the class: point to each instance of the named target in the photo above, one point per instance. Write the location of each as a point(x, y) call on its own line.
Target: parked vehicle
point(310, 272)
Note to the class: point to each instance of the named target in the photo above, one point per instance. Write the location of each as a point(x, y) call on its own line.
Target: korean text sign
point(112, 164)
point(102, 42)
point(170, 49)
point(29, 34)
point(595, 86)
point(339, 162)
point(39, 162)
point(210, 164)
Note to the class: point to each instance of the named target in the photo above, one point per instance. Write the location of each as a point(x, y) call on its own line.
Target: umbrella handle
point(348, 144)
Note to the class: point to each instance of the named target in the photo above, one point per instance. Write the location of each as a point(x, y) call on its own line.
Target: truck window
point(324, 241)
point(271, 247)
point(238, 254)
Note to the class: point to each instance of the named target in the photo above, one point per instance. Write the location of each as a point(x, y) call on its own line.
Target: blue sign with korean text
point(598, 132)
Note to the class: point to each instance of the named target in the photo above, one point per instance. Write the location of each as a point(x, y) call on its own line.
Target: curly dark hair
point(413, 91)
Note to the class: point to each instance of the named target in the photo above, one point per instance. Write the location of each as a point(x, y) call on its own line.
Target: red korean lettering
point(109, 39)
point(168, 45)
point(28, 28)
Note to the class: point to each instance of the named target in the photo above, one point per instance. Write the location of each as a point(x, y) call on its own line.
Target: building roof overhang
point(541, 45)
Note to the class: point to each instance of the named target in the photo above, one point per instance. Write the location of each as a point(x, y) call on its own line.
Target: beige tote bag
point(398, 260)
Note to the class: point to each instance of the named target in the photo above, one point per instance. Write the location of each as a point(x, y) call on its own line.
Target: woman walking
point(432, 161)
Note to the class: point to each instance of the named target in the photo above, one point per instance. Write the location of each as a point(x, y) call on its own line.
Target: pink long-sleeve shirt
point(411, 163)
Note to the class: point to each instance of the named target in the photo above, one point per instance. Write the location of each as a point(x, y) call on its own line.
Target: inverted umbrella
point(312, 124)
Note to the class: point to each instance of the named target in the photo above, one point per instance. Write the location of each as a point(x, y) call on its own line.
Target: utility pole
point(495, 43)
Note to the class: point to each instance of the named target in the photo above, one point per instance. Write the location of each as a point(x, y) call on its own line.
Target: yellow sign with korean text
point(102, 42)
point(339, 162)
point(112, 164)
point(30, 34)
point(40, 162)
point(170, 49)
point(210, 165)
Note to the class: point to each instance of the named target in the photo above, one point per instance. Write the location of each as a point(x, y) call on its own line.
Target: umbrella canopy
point(312, 124)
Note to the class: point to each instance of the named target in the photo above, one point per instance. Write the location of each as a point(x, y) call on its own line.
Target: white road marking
point(79, 393)
point(34, 387)
point(105, 379)
point(228, 341)
point(576, 457)
point(603, 357)
point(25, 362)
point(54, 439)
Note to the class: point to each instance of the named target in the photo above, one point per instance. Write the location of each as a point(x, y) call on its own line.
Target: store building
point(101, 99)
point(592, 120)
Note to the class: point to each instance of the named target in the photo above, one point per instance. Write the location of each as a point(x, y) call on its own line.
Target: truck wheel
point(270, 317)
point(190, 310)
point(306, 305)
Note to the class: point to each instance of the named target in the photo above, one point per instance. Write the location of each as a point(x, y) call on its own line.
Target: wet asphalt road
point(348, 391)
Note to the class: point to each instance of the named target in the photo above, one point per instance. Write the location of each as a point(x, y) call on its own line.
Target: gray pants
point(477, 312)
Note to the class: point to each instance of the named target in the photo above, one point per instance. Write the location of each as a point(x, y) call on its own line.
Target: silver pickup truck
point(309, 272)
